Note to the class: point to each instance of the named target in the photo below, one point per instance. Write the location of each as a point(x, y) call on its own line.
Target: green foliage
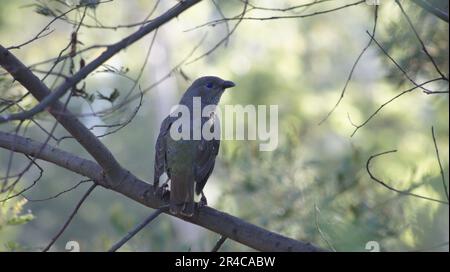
point(11, 213)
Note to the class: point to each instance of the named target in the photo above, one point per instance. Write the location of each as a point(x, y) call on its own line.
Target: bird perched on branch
point(189, 161)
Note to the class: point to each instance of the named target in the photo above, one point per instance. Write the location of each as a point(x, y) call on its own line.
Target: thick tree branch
point(106, 55)
point(142, 192)
point(38, 89)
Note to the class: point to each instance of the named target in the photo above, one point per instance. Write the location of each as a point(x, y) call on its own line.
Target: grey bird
point(188, 163)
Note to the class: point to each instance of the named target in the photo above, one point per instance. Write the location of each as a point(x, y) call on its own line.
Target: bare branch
point(315, 2)
point(239, 17)
point(227, 25)
point(58, 194)
point(435, 11)
point(41, 33)
point(10, 160)
point(77, 207)
point(35, 86)
point(54, 155)
point(405, 192)
point(424, 48)
point(432, 248)
point(224, 39)
point(119, 26)
point(440, 164)
point(116, 127)
point(133, 232)
point(153, 85)
point(357, 127)
point(319, 230)
point(219, 243)
point(11, 187)
point(66, 56)
point(354, 67)
point(110, 51)
point(398, 65)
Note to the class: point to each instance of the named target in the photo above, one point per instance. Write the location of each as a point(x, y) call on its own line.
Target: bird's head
point(209, 88)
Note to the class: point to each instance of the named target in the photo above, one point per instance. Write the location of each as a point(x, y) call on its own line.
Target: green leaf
point(21, 219)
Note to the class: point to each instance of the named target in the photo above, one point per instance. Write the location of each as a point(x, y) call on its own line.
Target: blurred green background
point(313, 187)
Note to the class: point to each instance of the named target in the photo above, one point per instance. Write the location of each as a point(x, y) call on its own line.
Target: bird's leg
point(163, 189)
point(203, 201)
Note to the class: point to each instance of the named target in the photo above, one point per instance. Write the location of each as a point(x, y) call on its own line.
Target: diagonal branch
point(422, 44)
point(435, 11)
point(441, 170)
point(133, 232)
point(399, 67)
point(219, 243)
point(72, 215)
point(142, 192)
point(110, 51)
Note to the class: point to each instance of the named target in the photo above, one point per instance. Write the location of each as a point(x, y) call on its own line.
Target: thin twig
point(70, 217)
point(41, 171)
point(443, 244)
point(322, 235)
point(354, 67)
point(106, 55)
point(440, 164)
point(52, 130)
point(397, 64)
point(238, 17)
point(224, 39)
point(405, 192)
point(428, 7)
point(219, 244)
point(58, 194)
point(227, 25)
point(357, 127)
point(41, 33)
point(424, 48)
point(142, 192)
point(133, 232)
point(315, 2)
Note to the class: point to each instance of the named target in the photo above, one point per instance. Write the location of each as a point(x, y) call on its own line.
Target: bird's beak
point(228, 84)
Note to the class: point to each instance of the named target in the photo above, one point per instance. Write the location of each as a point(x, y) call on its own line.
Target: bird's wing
point(205, 160)
point(160, 150)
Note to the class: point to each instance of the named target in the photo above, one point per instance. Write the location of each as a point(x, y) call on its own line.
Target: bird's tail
point(182, 196)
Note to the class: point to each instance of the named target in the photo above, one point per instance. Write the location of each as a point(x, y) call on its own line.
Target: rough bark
point(142, 192)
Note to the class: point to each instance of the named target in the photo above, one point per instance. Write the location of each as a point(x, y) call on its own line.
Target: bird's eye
point(209, 85)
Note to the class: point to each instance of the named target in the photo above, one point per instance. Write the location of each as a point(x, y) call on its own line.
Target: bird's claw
point(162, 191)
point(203, 201)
